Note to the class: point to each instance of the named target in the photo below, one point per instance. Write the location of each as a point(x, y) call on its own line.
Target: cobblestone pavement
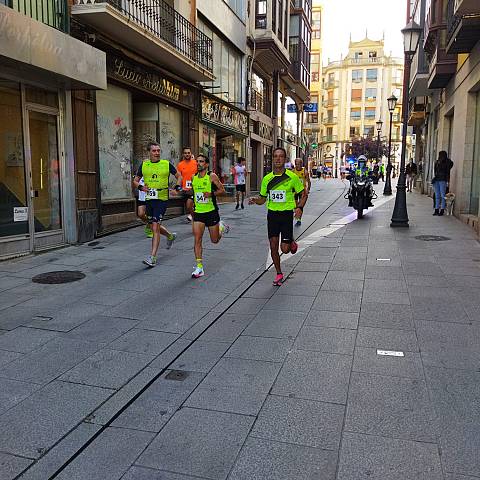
point(139, 374)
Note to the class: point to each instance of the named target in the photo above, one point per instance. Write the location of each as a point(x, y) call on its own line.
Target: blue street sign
point(310, 107)
point(292, 108)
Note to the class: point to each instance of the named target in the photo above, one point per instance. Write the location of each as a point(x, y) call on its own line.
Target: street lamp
point(379, 125)
point(392, 103)
point(411, 38)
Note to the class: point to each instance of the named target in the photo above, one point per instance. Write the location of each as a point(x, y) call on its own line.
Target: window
point(312, 118)
point(315, 76)
point(356, 94)
point(358, 55)
point(354, 131)
point(357, 76)
point(370, 94)
point(355, 113)
point(372, 54)
point(261, 14)
point(368, 131)
point(330, 132)
point(330, 115)
point(317, 25)
point(372, 74)
point(370, 113)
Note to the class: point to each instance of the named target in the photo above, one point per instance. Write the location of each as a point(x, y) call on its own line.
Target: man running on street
point(206, 187)
point(302, 174)
point(156, 173)
point(187, 168)
point(278, 190)
point(239, 172)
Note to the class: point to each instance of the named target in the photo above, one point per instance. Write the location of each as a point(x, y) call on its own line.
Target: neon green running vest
point(201, 186)
point(156, 175)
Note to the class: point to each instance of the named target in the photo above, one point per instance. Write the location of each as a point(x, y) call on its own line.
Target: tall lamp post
point(392, 103)
point(379, 124)
point(411, 37)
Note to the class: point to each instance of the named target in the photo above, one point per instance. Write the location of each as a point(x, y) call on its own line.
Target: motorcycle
point(361, 194)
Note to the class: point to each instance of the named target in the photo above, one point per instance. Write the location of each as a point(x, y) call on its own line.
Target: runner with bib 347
point(278, 189)
point(156, 173)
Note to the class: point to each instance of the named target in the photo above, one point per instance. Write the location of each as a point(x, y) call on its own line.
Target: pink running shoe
point(278, 280)
point(293, 247)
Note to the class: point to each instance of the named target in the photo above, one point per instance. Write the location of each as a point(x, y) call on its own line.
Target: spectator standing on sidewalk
point(440, 180)
point(411, 172)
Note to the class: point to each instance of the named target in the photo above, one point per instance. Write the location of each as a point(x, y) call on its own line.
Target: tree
point(368, 147)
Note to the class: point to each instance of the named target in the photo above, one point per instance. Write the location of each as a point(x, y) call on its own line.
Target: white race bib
point(278, 196)
point(152, 193)
point(200, 198)
point(188, 184)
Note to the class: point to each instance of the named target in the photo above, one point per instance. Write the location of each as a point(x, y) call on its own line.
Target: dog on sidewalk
point(450, 203)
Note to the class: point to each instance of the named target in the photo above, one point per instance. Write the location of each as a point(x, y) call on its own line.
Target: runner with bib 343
point(156, 173)
point(278, 189)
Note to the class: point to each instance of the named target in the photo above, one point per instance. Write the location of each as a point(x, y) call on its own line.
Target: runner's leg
point(156, 238)
point(274, 244)
point(198, 230)
point(215, 234)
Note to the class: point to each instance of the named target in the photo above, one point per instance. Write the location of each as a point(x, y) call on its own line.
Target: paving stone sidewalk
point(287, 383)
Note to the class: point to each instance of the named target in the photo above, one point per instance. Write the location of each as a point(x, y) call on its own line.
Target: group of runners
point(284, 190)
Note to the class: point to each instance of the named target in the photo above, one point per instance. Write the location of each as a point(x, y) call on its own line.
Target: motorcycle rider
point(361, 171)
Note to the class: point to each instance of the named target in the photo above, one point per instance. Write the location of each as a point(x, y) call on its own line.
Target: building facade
point(41, 69)
point(355, 92)
point(312, 121)
point(445, 97)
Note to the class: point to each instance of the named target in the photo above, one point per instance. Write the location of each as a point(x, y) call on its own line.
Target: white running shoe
point(170, 241)
point(224, 228)
point(151, 261)
point(198, 272)
point(189, 218)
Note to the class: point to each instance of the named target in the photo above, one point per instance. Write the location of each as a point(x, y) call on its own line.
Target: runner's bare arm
point(136, 181)
point(179, 180)
point(257, 200)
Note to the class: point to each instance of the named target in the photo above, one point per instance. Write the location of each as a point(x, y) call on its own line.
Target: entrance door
point(45, 190)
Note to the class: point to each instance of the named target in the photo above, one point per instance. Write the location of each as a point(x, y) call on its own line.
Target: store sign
point(20, 214)
point(263, 130)
point(149, 82)
point(292, 108)
point(310, 107)
point(216, 112)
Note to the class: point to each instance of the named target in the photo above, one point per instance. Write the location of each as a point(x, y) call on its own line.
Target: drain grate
point(432, 238)
point(178, 375)
point(60, 276)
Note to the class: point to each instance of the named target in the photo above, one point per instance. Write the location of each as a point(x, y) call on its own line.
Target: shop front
point(261, 143)
point(223, 132)
point(37, 187)
point(141, 104)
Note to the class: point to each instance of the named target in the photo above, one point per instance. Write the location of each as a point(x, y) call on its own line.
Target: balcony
point(259, 103)
point(465, 7)
point(153, 29)
point(442, 68)
point(417, 111)
point(435, 21)
point(463, 29)
point(419, 73)
point(330, 102)
point(329, 138)
point(329, 120)
point(365, 61)
point(53, 13)
point(331, 84)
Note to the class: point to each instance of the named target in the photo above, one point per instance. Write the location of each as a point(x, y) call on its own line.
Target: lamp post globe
point(392, 103)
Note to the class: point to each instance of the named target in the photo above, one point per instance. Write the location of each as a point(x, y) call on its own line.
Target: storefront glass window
point(229, 149)
point(12, 163)
point(114, 124)
point(145, 130)
point(170, 133)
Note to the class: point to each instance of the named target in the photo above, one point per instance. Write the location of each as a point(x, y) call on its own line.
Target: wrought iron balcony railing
point(164, 22)
point(53, 13)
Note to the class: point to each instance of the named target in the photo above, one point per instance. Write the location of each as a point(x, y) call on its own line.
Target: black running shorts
point(280, 223)
point(210, 219)
point(240, 188)
point(156, 210)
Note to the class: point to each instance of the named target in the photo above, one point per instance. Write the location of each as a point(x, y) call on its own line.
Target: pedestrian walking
point(239, 172)
point(411, 173)
point(206, 187)
point(278, 190)
point(156, 173)
point(440, 181)
point(187, 168)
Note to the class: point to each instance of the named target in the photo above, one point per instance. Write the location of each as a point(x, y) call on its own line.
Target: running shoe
point(224, 228)
point(278, 280)
point(298, 223)
point(198, 272)
point(293, 247)
point(242, 206)
point(237, 207)
point(171, 240)
point(148, 231)
point(189, 218)
point(151, 261)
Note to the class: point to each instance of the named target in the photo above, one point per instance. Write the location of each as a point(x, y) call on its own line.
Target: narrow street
point(135, 373)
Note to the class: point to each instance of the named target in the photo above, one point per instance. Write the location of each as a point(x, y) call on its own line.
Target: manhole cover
point(60, 276)
point(432, 238)
point(178, 375)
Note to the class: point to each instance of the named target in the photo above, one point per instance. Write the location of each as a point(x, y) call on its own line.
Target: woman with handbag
point(441, 177)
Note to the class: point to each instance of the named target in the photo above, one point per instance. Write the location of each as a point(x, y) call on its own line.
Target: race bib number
point(152, 193)
point(200, 198)
point(278, 196)
point(188, 184)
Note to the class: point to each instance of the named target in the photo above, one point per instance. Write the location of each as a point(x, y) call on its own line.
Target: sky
point(342, 17)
